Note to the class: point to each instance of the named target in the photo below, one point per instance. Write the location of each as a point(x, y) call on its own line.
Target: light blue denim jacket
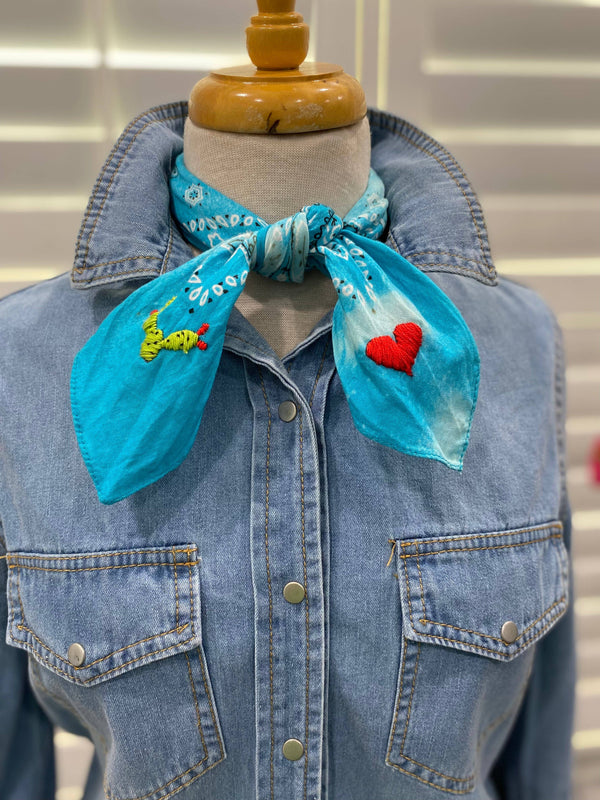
point(395, 671)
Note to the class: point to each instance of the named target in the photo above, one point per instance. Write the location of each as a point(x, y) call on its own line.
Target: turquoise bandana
point(406, 359)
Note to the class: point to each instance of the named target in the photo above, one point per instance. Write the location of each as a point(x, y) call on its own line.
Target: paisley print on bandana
point(406, 359)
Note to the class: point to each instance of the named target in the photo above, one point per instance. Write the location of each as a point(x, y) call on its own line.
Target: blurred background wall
point(510, 87)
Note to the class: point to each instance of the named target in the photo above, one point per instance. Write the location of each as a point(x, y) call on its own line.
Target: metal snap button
point(293, 749)
point(509, 632)
point(76, 654)
point(293, 592)
point(287, 410)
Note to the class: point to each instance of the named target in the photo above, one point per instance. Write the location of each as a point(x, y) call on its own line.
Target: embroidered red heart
point(399, 354)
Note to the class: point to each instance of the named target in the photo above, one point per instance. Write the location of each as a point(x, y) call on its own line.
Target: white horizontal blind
point(72, 74)
point(510, 87)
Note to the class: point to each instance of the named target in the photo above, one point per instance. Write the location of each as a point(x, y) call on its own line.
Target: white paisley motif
point(193, 195)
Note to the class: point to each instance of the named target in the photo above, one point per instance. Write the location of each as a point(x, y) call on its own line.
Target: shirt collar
point(435, 219)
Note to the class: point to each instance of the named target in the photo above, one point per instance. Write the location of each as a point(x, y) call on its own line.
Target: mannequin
point(275, 173)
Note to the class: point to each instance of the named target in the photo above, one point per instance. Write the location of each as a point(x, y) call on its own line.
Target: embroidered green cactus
point(156, 341)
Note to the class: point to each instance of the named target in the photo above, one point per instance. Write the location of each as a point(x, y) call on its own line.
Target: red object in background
point(595, 462)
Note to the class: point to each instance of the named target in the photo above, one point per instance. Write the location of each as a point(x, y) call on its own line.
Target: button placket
point(286, 552)
point(293, 592)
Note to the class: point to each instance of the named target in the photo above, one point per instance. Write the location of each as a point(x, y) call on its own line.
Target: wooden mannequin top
point(279, 94)
point(233, 141)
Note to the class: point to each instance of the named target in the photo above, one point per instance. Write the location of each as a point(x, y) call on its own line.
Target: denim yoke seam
point(73, 678)
point(268, 568)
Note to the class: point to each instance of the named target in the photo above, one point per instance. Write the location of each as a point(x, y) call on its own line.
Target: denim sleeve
point(26, 734)
point(536, 762)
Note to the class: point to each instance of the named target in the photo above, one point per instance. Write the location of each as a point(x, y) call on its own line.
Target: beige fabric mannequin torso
point(274, 176)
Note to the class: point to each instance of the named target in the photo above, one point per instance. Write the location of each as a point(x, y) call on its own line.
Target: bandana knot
point(286, 248)
point(406, 360)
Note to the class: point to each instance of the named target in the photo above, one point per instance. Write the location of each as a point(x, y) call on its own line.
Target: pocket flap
point(92, 616)
point(492, 593)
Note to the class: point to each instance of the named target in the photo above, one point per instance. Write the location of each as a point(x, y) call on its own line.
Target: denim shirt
point(296, 612)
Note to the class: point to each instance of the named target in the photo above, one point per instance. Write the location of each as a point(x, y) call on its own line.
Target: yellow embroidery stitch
point(155, 340)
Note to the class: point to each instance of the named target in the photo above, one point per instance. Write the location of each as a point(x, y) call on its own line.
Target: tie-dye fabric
point(406, 359)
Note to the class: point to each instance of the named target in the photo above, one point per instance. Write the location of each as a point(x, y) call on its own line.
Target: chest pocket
point(118, 635)
point(472, 607)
